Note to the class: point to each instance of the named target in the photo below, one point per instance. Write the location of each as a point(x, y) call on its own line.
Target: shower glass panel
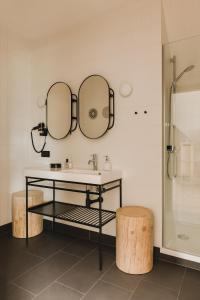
point(181, 82)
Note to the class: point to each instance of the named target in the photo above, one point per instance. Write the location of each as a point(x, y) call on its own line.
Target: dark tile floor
point(57, 267)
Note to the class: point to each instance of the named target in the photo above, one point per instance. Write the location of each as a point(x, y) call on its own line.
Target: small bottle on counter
point(68, 163)
point(107, 164)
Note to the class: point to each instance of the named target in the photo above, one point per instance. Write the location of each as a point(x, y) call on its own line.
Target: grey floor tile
point(80, 247)
point(192, 275)
point(106, 291)
point(16, 263)
point(191, 286)
point(4, 288)
point(10, 245)
point(3, 233)
point(41, 276)
point(42, 245)
point(3, 281)
point(46, 244)
point(109, 250)
point(151, 291)
point(11, 292)
point(189, 291)
point(162, 283)
point(59, 292)
point(127, 281)
point(166, 274)
point(13, 251)
point(85, 273)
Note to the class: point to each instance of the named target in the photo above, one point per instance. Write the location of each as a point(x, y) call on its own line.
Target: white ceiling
point(181, 18)
point(38, 19)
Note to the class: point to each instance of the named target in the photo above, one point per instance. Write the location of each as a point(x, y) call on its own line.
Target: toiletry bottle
point(67, 163)
point(70, 164)
point(107, 164)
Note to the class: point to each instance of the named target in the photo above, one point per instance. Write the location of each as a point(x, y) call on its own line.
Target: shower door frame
point(183, 256)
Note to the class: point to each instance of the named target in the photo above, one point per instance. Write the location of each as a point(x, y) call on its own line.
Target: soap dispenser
point(107, 164)
point(68, 164)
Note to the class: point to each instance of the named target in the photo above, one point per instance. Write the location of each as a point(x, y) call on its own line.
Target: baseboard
point(87, 234)
point(180, 261)
point(80, 233)
point(6, 227)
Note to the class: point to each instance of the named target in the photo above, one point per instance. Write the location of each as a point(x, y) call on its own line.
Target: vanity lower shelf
point(84, 214)
point(74, 213)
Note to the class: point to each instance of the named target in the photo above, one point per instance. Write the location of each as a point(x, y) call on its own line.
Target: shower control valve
point(170, 148)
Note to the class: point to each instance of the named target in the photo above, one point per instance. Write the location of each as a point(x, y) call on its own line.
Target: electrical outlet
point(45, 153)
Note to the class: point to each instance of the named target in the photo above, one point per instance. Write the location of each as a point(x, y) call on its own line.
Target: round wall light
point(125, 89)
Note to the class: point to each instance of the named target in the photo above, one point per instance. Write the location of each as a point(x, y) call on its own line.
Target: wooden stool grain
point(35, 223)
point(134, 239)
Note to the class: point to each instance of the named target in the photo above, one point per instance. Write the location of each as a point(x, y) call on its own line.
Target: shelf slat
point(74, 213)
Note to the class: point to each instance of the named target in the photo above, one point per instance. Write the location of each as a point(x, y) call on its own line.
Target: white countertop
point(74, 175)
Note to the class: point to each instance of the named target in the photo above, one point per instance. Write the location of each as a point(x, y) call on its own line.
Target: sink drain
point(183, 236)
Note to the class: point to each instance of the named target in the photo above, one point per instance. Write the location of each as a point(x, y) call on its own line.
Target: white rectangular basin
point(81, 171)
point(75, 175)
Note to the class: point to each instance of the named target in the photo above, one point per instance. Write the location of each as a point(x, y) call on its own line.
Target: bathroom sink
point(82, 171)
point(74, 175)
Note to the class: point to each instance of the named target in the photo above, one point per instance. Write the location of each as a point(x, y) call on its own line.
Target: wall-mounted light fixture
point(125, 89)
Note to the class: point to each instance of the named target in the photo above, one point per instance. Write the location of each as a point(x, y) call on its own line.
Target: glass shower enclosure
point(181, 148)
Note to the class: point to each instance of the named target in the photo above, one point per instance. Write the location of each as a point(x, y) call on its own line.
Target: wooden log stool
point(35, 222)
point(134, 239)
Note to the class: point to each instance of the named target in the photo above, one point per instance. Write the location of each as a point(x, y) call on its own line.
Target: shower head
point(188, 69)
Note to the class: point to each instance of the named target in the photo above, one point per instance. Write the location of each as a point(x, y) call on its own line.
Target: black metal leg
point(53, 225)
point(100, 230)
point(32, 181)
point(120, 193)
point(27, 211)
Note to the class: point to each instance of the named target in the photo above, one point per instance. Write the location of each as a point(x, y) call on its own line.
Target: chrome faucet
point(93, 161)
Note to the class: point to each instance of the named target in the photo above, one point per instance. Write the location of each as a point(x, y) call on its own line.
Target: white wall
point(124, 45)
point(4, 148)
point(14, 114)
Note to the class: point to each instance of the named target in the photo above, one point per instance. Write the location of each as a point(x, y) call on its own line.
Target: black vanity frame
point(80, 214)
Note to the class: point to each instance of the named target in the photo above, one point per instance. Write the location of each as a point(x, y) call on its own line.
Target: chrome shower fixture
point(171, 148)
point(188, 69)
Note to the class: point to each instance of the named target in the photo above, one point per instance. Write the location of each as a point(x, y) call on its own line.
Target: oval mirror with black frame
point(95, 107)
point(59, 111)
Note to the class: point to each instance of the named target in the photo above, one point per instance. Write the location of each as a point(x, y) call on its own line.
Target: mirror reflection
point(59, 110)
point(95, 106)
